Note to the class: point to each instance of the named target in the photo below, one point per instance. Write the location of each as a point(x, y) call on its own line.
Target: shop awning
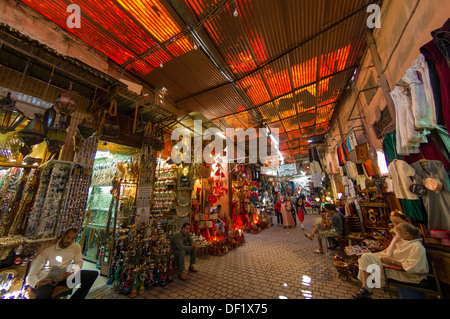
point(281, 63)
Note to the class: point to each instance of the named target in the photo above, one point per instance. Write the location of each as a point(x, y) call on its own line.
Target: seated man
point(55, 260)
point(330, 227)
point(182, 244)
point(405, 251)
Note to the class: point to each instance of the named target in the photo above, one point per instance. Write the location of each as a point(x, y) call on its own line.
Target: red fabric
point(431, 51)
point(429, 151)
point(278, 205)
point(301, 215)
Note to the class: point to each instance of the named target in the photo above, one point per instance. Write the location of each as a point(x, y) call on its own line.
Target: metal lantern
point(56, 138)
point(87, 128)
point(10, 116)
point(49, 117)
point(65, 105)
point(33, 134)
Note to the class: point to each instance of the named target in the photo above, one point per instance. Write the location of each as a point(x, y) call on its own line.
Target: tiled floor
point(276, 263)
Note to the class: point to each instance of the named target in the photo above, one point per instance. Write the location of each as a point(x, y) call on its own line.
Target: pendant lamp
point(65, 105)
point(34, 133)
point(10, 116)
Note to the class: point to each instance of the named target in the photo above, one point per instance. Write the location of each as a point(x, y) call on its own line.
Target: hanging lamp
point(10, 116)
point(34, 133)
point(65, 105)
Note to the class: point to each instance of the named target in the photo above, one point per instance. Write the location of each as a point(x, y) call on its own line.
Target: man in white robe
point(405, 252)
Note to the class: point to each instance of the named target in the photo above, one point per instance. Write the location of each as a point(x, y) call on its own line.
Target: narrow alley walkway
point(276, 263)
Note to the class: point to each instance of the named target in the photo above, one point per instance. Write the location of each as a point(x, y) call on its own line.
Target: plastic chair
point(429, 286)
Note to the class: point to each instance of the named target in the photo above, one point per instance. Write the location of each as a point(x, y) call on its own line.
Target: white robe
point(401, 174)
point(412, 255)
point(420, 108)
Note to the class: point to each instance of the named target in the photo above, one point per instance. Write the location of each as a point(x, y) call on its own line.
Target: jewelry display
point(51, 209)
point(14, 203)
point(21, 219)
point(164, 193)
point(74, 207)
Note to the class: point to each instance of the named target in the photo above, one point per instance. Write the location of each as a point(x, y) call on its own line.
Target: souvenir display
point(142, 259)
point(45, 213)
point(109, 199)
point(165, 189)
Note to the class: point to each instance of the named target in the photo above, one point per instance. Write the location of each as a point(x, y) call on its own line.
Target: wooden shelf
point(374, 205)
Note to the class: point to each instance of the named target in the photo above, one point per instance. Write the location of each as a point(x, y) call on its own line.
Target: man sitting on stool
point(182, 244)
point(53, 262)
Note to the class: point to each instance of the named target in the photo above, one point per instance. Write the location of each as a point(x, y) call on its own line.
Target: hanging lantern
point(87, 128)
point(49, 117)
point(10, 116)
point(65, 105)
point(34, 133)
point(55, 139)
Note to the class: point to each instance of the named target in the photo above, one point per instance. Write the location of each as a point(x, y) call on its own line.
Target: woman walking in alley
point(286, 212)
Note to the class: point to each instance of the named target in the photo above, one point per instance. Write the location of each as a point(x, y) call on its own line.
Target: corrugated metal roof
point(287, 60)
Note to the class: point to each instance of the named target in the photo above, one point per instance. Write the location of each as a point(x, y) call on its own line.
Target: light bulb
point(195, 46)
point(236, 13)
point(161, 65)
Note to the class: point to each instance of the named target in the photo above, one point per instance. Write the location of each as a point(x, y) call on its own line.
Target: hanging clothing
point(408, 139)
point(317, 179)
point(361, 181)
point(414, 209)
point(352, 171)
point(419, 104)
point(315, 167)
point(436, 88)
point(442, 39)
point(429, 151)
point(432, 52)
point(401, 173)
point(421, 66)
point(390, 147)
point(437, 204)
point(340, 155)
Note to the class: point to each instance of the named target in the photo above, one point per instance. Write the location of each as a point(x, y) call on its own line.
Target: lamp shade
point(65, 104)
point(10, 116)
point(34, 132)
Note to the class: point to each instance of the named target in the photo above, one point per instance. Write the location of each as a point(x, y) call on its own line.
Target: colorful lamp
point(34, 133)
point(10, 116)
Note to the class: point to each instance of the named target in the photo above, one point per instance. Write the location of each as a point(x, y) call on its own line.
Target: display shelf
point(372, 204)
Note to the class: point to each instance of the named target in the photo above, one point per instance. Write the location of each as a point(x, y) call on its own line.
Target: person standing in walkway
point(293, 210)
point(278, 210)
point(286, 212)
point(301, 210)
point(183, 245)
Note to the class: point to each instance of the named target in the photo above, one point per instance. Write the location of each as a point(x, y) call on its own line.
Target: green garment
point(390, 147)
point(414, 209)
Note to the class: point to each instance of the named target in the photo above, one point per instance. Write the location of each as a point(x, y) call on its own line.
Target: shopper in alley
point(286, 212)
point(183, 245)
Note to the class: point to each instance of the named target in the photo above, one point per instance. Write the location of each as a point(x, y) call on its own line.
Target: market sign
point(287, 170)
